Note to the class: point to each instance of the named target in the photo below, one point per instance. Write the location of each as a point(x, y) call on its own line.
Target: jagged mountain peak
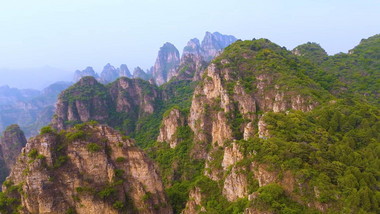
point(166, 64)
point(109, 73)
point(211, 45)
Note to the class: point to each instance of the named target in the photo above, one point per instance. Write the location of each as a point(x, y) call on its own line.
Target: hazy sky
point(72, 34)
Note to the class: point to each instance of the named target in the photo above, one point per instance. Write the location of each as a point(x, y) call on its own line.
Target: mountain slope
point(354, 74)
point(87, 169)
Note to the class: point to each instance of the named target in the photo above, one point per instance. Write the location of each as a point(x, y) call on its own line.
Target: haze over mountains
point(230, 126)
point(32, 109)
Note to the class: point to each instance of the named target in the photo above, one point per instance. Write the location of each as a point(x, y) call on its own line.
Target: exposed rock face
point(169, 127)
point(139, 73)
point(213, 43)
point(132, 94)
point(89, 71)
point(231, 156)
point(235, 185)
point(85, 100)
point(221, 94)
point(166, 63)
point(109, 74)
point(193, 47)
point(11, 143)
point(191, 67)
point(4, 171)
point(123, 71)
point(195, 199)
point(211, 46)
point(223, 97)
point(90, 100)
point(101, 172)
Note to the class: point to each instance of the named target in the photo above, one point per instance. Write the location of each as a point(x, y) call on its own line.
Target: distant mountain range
point(167, 61)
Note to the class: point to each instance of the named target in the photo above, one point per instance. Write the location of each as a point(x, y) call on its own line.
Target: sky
point(66, 35)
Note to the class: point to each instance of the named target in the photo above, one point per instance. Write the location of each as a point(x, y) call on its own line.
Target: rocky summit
point(166, 63)
point(90, 169)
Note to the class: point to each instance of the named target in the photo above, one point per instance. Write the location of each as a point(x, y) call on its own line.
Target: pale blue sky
point(72, 34)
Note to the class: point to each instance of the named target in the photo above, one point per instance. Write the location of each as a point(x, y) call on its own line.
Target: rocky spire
point(166, 63)
point(11, 143)
point(124, 71)
point(109, 73)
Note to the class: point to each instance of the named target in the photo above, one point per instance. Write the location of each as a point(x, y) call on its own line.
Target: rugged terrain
point(30, 109)
point(88, 169)
point(258, 129)
point(12, 140)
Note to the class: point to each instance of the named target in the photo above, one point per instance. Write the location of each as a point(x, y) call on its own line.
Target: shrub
point(120, 159)
point(107, 192)
point(46, 130)
point(60, 161)
point(77, 135)
point(33, 153)
point(118, 205)
point(93, 147)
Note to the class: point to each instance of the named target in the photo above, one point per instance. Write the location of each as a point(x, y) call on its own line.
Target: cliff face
point(239, 89)
point(229, 104)
point(166, 64)
point(171, 121)
point(124, 99)
point(11, 143)
point(88, 169)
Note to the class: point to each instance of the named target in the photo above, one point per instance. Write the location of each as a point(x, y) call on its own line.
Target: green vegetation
point(10, 201)
point(120, 159)
point(76, 135)
point(33, 153)
point(93, 147)
point(47, 130)
point(354, 74)
point(332, 151)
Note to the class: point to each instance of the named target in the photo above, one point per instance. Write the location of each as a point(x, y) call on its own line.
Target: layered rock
point(224, 95)
point(230, 103)
point(166, 63)
point(235, 185)
point(193, 205)
point(170, 123)
point(90, 169)
point(90, 100)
